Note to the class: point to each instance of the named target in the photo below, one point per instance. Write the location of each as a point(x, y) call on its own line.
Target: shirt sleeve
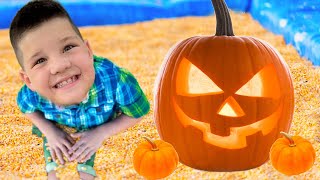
point(26, 100)
point(129, 96)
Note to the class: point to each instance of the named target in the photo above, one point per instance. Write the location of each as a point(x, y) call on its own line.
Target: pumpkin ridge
point(192, 45)
point(139, 158)
point(158, 158)
point(285, 67)
point(245, 42)
point(263, 50)
point(148, 157)
point(168, 149)
point(170, 162)
point(298, 157)
point(272, 52)
point(277, 153)
point(299, 140)
point(307, 147)
point(282, 62)
point(310, 148)
point(285, 166)
point(183, 44)
point(254, 41)
point(164, 160)
point(159, 79)
point(170, 152)
point(305, 161)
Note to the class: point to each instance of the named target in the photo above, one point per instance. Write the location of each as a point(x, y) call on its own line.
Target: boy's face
point(57, 63)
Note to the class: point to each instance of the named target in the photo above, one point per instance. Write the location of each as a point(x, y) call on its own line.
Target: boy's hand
point(59, 143)
point(90, 141)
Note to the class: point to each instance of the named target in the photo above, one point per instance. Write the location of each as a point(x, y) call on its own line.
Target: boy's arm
point(59, 141)
point(91, 140)
point(132, 102)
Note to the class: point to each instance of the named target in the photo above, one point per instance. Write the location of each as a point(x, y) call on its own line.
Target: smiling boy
point(65, 84)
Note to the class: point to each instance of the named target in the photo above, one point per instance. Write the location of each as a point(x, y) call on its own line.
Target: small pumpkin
point(155, 159)
point(292, 155)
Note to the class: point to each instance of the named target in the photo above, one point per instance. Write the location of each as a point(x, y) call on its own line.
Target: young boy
point(65, 84)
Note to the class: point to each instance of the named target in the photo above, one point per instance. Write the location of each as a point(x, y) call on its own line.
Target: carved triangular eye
point(191, 81)
point(264, 84)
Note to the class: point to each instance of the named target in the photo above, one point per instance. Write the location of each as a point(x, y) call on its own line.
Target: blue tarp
point(108, 12)
point(296, 20)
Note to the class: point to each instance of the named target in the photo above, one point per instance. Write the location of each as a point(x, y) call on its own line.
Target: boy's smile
point(57, 63)
point(67, 82)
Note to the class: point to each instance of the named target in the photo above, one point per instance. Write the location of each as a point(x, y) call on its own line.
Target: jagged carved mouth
point(237, 137)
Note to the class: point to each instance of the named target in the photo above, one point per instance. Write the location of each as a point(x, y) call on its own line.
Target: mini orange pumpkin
point(292, 155)
point(155, 160)
point(222, 100)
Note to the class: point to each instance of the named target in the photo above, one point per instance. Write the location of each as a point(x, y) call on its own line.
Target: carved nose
point(231, 108)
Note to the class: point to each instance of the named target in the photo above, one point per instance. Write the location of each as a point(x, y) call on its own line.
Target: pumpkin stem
point(224, 24)
point(154, 146)
point(289, 137)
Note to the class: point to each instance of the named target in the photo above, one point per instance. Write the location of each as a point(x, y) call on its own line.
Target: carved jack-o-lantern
point(222, 100)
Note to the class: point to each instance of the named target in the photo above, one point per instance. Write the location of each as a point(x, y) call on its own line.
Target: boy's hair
point(31, 16)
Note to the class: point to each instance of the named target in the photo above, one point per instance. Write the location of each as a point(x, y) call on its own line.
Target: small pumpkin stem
point(224, 24)
point(154, 146)
point(289, 137)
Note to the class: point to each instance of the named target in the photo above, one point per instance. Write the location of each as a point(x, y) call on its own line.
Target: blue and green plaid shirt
point(114, 90)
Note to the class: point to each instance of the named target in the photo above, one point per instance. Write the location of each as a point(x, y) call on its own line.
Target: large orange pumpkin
point(222, 100)
point(292, 155)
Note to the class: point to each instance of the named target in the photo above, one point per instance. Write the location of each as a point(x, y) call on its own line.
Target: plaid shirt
point(114, 90)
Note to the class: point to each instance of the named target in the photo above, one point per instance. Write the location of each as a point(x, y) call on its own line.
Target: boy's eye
point(39, 61)
point(67, 48)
